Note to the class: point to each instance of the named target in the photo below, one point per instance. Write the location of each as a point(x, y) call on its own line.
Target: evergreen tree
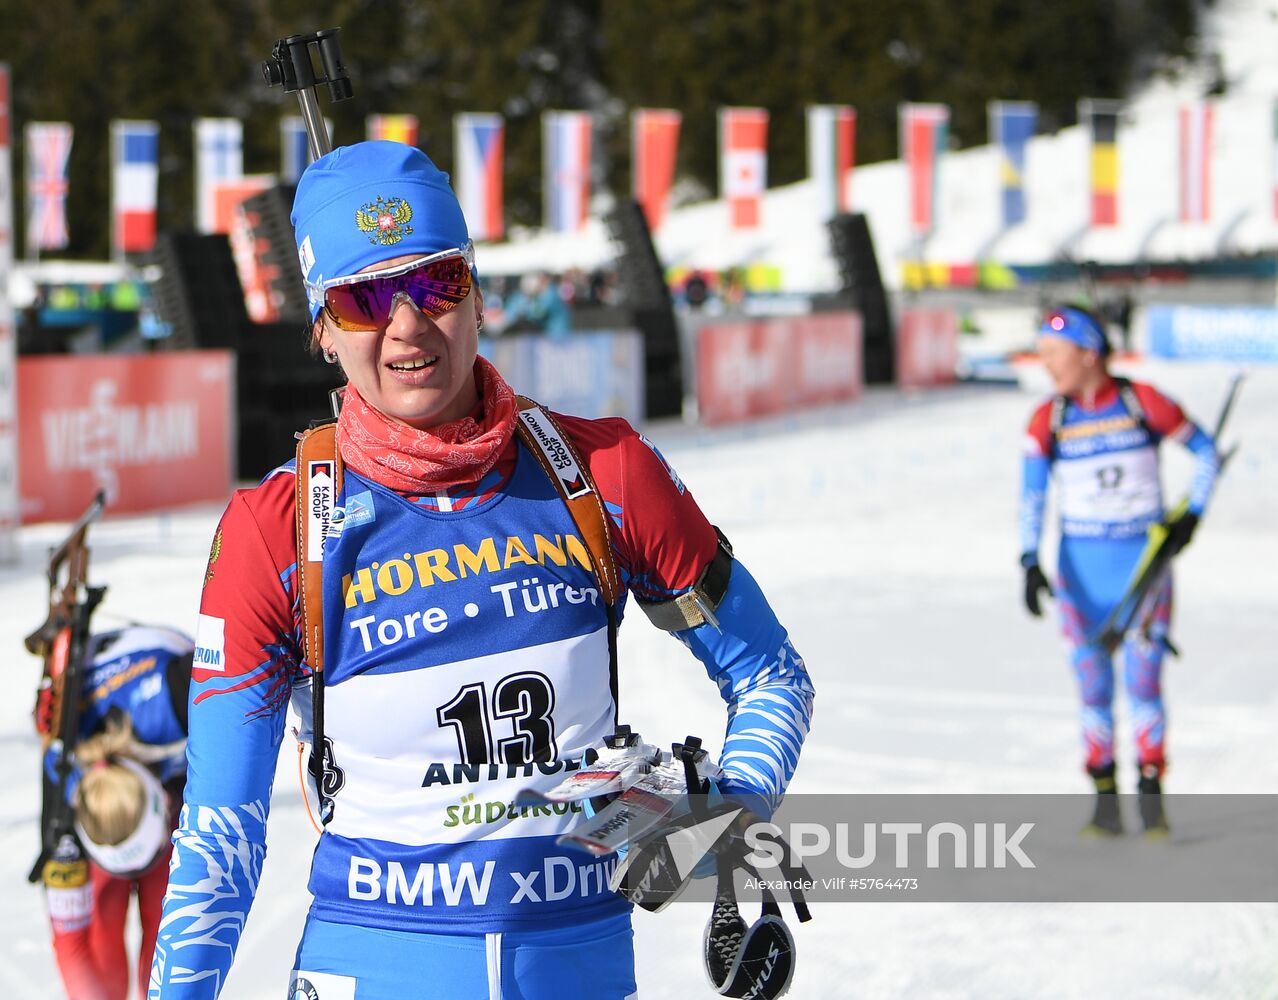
point(89, 61)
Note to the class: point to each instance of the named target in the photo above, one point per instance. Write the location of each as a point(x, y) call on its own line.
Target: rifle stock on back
point(61, 642)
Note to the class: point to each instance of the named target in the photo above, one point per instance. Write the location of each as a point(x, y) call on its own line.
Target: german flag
point(394, 128)
point(1101, 117)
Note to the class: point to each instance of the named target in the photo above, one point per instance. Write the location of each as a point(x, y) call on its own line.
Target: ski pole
point(1151, 567)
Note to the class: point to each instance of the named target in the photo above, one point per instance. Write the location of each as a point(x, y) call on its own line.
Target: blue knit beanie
point(1076, 325)
point(363, 204)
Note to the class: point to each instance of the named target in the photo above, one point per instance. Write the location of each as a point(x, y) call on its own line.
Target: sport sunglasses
point(434, 284)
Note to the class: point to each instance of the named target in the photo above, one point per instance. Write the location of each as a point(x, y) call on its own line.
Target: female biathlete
point(129, 765)
point(1098, 438)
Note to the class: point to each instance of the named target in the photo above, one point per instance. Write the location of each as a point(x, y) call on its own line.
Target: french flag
point(135, 158)
point(480, 143)
point(565, 143)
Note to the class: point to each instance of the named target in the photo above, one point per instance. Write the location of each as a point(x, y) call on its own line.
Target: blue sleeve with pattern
point(244, 668)
point(219, 847)
point(1206, 468)
point(765, 685)
point(1034, 475)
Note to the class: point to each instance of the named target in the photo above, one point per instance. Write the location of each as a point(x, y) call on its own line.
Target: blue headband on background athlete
point(373, 201)
point(1077, 326)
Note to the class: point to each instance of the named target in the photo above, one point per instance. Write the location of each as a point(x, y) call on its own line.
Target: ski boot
point(1106, 821)
point(1150, 793)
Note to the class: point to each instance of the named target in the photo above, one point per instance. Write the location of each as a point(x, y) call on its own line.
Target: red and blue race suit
point(467, 657)
point(1104, 459)
point(144, 672)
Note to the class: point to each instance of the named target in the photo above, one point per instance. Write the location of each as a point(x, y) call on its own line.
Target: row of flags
point(566, 167)
point(220, 181)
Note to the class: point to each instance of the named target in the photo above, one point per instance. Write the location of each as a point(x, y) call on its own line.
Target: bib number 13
point(520, 705)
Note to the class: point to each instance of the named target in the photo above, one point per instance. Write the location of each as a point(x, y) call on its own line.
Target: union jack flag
point(48, 149)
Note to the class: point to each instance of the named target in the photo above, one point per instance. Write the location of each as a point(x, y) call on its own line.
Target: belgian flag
point(1101, 117)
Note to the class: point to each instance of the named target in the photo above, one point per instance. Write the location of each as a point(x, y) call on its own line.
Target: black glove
point(1035, 582)
point(1180, 531)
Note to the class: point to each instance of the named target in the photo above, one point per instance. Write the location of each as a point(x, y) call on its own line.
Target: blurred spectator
point(734, 288)
point(1119, 313)
point(572, 287)
point(696, 290)
point(536, 305)
point(603, 287)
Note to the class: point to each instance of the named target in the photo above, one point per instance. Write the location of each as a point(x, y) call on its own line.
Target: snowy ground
point(884, 534)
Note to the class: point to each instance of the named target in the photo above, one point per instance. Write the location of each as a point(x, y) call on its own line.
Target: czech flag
point(135, 172)
point(654, 145)
point(831, 155)
point(480, 141)
point(743, 163)
point(924, 134)
point(565, 146)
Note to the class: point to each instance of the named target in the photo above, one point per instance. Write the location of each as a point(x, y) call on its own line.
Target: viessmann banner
point(154, 431)
point(754, 368)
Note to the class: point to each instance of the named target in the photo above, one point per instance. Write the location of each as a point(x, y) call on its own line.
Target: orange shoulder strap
point(319, 480)
point(560, 461)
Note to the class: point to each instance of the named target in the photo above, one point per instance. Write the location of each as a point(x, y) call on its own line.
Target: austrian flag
point(1195, 122)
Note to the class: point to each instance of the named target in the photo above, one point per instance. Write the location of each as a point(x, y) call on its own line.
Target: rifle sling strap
point(558, 458)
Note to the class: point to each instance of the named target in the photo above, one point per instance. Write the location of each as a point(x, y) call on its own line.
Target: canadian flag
point(743, 164)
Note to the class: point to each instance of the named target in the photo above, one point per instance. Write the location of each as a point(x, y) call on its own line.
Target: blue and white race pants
point(591, 961)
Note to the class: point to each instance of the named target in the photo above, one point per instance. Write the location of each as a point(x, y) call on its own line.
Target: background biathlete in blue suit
point(1098, 439)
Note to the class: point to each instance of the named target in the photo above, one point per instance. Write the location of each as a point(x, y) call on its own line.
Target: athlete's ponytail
point(111, 797)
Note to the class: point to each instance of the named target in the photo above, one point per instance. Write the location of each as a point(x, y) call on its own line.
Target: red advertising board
point(926, 347)
point(231, 217)
point(153, 430)
point(757, 367)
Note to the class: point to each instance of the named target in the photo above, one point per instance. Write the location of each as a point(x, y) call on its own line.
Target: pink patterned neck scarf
point(417, 462)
